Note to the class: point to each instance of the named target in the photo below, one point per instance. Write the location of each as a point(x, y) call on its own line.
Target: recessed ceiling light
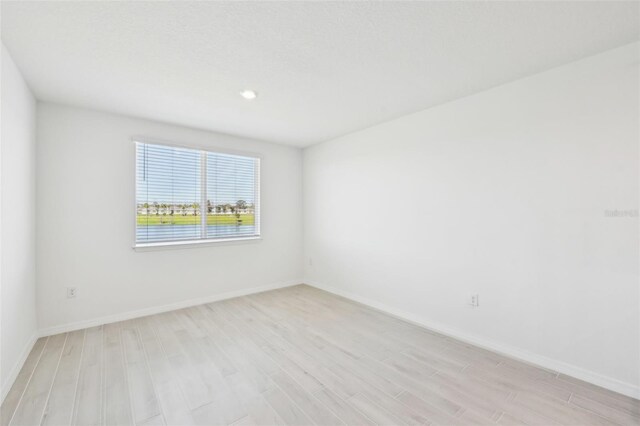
point(249, 94)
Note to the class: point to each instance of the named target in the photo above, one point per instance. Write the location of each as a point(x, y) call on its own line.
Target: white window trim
point(169, 245)
point(182, 244)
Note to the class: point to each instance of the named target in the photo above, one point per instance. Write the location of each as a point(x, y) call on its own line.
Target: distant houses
point(193, 209)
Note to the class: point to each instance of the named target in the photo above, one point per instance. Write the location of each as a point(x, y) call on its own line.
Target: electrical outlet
point(71, 292)
point(473, 300)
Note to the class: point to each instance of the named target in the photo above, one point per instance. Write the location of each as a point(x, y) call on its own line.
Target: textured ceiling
point(322, 69)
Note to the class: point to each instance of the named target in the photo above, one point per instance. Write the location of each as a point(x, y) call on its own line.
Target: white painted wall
point(18, 254)
point(502, 193)
point(86, 158)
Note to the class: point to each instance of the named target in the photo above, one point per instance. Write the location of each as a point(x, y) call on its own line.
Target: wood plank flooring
point(297, 356)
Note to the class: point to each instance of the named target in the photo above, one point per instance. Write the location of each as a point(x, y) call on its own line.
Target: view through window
point(187, 194)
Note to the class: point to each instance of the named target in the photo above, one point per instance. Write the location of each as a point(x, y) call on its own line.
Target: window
point(188, 195)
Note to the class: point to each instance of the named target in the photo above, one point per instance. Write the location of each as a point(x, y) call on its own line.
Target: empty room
point(320, 213)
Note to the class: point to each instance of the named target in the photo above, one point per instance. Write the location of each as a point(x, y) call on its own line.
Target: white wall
point(18, 254)
point(503, 194)
point(86, 222)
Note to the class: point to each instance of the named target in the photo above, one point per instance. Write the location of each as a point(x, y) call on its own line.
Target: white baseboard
point(15, 370)
point(606, 382)
point(123, 316)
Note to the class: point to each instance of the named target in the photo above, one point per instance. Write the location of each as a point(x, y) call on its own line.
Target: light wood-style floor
point(296, 356)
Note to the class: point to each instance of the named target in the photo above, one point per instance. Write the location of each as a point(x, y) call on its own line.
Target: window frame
point(200, 242)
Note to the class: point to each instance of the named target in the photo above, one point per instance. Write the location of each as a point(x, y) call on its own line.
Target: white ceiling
point(321, 69)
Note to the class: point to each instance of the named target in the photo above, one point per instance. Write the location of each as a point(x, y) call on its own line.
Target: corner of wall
point(19, 319)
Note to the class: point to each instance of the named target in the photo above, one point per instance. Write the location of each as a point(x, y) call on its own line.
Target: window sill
point(170, 245)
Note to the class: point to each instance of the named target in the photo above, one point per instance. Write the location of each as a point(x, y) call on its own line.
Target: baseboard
point(123, 316)
point(6, 386)
point(597, 379)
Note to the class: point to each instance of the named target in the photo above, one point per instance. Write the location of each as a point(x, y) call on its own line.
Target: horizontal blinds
point(231, 190)
point(186, 194)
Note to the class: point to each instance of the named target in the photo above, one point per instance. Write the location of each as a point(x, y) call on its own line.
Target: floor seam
point(53, 381)
point(28, 381)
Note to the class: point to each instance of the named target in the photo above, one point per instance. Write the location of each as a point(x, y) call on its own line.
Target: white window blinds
point(193, 195)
